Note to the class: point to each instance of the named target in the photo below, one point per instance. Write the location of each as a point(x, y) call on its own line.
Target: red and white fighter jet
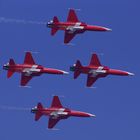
point(56, 112)
point(95, 70)
point(28, 69)
point(72, 27)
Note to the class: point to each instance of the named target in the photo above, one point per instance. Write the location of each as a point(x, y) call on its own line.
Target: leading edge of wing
point(72, 17)
point(25, 79)
point(29, 59)
point(52, 122)
point(68, 37)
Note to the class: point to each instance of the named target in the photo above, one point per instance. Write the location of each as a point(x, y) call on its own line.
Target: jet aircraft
point(28, 69)
point(56, 112)
point(72, 26)
point(95, 70)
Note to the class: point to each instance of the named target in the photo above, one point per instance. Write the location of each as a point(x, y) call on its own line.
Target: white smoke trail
point(2, 107)
point(19, 21)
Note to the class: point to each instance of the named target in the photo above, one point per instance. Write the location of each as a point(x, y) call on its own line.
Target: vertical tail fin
point(54, 29)
point(10, 73)
point(77, 71)
point(39, 112)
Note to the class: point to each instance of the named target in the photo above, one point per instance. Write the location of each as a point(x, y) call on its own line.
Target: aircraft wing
point(52, 122)
point(38, 114)
point(68, 37)
point(91, 80)
point(29, 59)
point(25, 79)
point(56, 102)
point(94, 60)
point(72, 17)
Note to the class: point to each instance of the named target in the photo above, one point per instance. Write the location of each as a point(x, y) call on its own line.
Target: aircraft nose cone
point(131, 74)
point(108, 29)
point(64, 72)
point(92, 115)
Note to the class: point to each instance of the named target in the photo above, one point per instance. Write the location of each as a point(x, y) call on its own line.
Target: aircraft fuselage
point(32, 69)
point(76, 26)
point(102, 71)
point(61, 113)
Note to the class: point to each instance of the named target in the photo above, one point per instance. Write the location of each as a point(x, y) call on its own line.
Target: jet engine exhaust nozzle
point(34, 110)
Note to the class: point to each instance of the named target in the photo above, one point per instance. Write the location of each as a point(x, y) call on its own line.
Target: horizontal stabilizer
point(38, 113)
point(10, 73)
point(77, 71)
point(54, 29)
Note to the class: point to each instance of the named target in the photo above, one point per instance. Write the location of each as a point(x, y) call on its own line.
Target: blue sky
point(115, 101)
